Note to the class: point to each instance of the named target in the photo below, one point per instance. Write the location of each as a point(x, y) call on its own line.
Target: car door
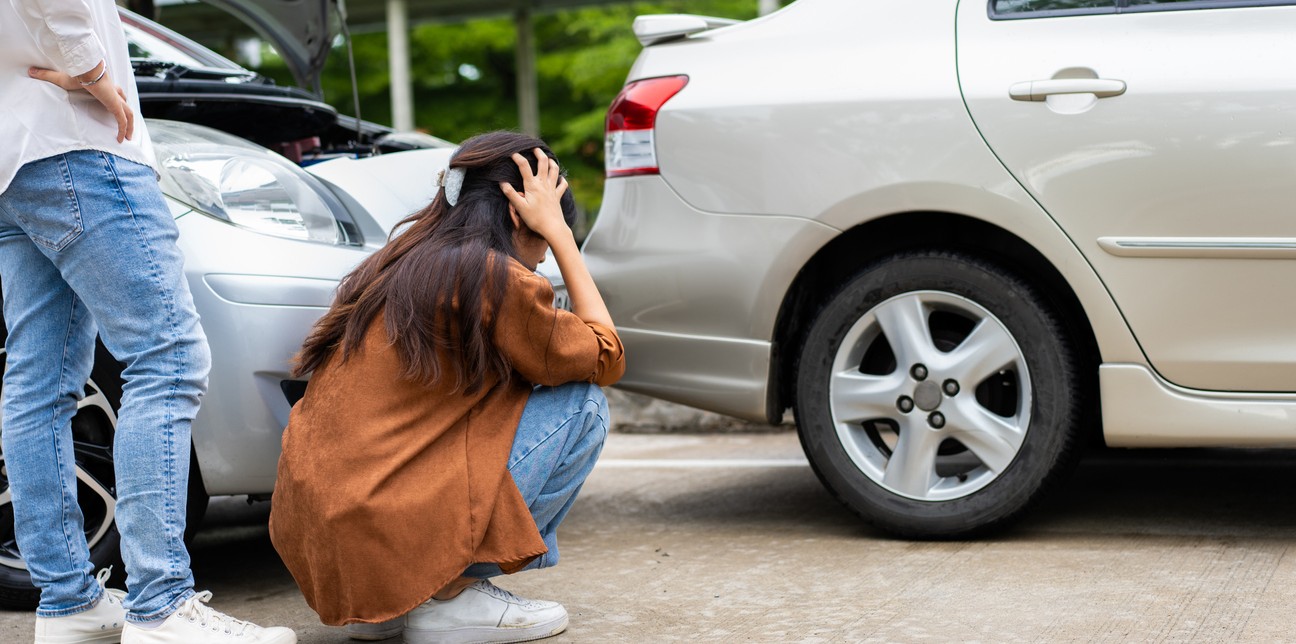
point(1161, 136)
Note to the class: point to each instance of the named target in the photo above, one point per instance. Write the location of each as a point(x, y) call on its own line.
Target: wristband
point(97, 78)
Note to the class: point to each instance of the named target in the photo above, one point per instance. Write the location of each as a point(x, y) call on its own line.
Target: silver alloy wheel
point(90, 491)
point(931, 428)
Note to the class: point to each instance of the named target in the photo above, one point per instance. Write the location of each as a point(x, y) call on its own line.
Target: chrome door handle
point(1039, 90)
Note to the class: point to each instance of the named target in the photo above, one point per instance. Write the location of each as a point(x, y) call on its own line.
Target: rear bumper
point(724, 375)
point(695, 295)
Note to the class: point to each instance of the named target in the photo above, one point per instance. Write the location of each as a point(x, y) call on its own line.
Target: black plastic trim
point(250, 97)
point(1122, 6)
point(293, 390)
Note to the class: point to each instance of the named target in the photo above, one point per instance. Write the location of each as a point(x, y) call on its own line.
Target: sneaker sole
point(135, 636)
point(492, 635)
point(98, 638)
point(377, 635)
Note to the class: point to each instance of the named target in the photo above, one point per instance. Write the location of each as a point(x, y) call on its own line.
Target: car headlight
point(238, 182)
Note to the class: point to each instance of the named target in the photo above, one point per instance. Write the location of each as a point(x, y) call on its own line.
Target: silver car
point(961, 239)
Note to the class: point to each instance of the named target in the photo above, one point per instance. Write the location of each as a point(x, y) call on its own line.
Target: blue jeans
point(557, 443)
point(86, 241)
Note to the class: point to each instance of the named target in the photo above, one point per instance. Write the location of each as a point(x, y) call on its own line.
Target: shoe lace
point(196, 610)
point(499, 593)
point(113, 595)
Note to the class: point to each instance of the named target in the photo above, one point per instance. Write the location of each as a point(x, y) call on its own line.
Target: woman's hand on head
point(538, 205)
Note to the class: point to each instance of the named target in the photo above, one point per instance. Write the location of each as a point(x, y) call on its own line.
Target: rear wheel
point(93, 428)
point(937, 396)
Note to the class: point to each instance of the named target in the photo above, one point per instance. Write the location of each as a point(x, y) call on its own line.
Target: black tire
point(1040, 389)
point(92, 434)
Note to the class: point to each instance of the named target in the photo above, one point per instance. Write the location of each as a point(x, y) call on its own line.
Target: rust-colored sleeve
point(552, 347)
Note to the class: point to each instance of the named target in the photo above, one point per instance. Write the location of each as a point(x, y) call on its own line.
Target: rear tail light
point(630, 122)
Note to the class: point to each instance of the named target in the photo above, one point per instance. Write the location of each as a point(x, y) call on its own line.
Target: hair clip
point(451, 180)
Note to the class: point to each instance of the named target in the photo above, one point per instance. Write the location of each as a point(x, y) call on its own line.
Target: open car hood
point(301, 30)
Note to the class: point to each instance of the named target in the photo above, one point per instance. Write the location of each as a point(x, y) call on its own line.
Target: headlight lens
point(246, 185)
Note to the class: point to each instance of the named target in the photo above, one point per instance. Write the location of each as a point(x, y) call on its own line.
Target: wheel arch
point(824, 274)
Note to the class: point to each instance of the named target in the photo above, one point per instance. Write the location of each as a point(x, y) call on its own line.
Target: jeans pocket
point(48, 210)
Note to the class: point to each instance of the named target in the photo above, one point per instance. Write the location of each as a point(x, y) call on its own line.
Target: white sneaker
point(99, 625)
point(196, 623)
point(374, 632)
point(484, 613)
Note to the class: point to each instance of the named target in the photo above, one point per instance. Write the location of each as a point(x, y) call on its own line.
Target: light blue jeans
point(557, 443)
point(86, 241)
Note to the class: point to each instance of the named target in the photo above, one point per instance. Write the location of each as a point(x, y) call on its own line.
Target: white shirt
point(39, 119)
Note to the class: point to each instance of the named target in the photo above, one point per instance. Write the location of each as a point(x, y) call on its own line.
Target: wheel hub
point(927, 396)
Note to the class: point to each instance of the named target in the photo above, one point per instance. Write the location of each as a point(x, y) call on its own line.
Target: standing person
point(453, 413)
point(86, 241)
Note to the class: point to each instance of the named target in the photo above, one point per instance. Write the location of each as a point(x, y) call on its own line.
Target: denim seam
point(7, 212)
point(56, 434)
point(540, 442)
point(74, 202)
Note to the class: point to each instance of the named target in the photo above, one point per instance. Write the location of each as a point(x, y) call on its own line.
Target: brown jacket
point(388, 489)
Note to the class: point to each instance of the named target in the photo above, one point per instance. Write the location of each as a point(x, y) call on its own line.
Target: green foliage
point(465, 78)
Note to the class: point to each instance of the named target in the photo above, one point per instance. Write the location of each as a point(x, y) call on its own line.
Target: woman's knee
point(580, 407)
point(595, 407)
point(578, 397)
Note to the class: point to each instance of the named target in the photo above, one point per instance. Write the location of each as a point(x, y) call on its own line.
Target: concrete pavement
point(731, 539)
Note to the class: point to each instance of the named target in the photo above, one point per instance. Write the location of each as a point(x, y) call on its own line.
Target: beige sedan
point(961, 238)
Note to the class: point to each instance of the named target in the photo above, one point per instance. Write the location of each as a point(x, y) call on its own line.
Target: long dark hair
point(440, 273)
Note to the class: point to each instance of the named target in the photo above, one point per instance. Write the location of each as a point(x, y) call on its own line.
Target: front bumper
point(258, 298)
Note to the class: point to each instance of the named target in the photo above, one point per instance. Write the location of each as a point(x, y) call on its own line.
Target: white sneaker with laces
point(374, 632)
point(102, 624)
point(194, 622)
point(484, 612)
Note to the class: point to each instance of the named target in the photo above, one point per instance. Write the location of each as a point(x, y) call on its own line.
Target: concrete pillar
point(527, 81)
point(398, 61)
point(768, 6)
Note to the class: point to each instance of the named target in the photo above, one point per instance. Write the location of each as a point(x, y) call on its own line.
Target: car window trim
point(1123, 6)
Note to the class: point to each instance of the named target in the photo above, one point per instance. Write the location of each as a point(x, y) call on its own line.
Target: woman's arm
point(539, 209)
point(550, 346)
point(587, 302)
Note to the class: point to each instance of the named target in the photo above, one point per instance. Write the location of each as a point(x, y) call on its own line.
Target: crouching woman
point(452, 413)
